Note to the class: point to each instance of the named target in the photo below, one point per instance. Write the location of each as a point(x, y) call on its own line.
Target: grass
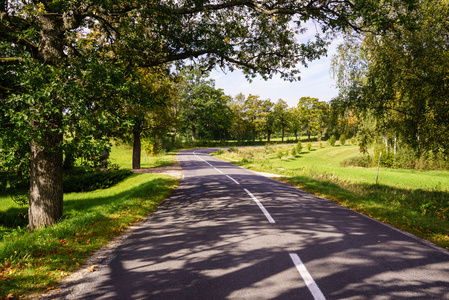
point(413, 201)
point(31, 262)
point(122, 156)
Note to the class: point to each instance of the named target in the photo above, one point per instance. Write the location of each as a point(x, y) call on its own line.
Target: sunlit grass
point(121, 155)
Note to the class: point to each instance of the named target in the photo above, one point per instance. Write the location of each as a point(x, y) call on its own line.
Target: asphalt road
point(227, 233)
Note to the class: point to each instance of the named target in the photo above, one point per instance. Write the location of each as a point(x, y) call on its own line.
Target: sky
point(315, 82)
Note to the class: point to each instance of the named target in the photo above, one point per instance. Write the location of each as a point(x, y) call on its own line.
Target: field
point(414, 201)
point(32, 262)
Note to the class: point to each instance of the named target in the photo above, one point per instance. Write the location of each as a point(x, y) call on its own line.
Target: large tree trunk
point(46, 159)
point(46, 194)
point(137, 149)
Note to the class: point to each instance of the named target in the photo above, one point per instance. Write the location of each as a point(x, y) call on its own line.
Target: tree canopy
point(65, 65)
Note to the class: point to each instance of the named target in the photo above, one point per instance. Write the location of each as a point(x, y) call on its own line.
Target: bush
point(93, 180)
point(405, 159)
point(233, 149)
point(293, 151)
point(353, 141)
point(364, 161)
point(386, 159)
point(220, 152)
point(309, 146)
point(332, 140)
point(343, 139)
point(298, 147)
point(280, 154)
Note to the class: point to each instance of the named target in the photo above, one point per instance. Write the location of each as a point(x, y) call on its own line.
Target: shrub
point(405, 158)
point(353, 141)
point(280, 154)
point(343, 139)
point(332, 140)
point(309, 146)
point(220, 152)
point(233, 149)
point(387, 157)
point(93, 180)
point(364, 161)
point(298, 147)
point(321, 145)
point(293, 151)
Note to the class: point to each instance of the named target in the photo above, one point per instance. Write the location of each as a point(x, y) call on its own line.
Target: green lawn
point(327, 160)
point(122, 155)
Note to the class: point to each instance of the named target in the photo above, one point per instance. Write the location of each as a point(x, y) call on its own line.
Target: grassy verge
point(413, 201)
point(31, 262)
point(122, 156)
point(34, 261)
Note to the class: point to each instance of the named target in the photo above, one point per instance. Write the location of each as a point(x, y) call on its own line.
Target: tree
point(281, 116)
point(400, 78)
point(147, 107)
point(56, 78)
point(309, 113)
point(295, 121)
point(204, 110)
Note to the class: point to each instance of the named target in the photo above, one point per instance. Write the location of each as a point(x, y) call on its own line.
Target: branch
point(10, 60)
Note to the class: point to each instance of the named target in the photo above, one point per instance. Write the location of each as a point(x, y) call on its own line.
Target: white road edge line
point(232, 179)
point(311, 285)
point(262, 208)
point(218, 170)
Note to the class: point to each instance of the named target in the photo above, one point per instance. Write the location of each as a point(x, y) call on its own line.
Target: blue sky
point(315, 82)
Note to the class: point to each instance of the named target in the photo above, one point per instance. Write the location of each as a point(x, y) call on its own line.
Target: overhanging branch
point(10, 60)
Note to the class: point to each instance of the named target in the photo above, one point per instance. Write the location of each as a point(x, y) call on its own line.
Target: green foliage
point(280, 154)
point(353, 141)
point(298, 147)
point(233, 149)
point(204, 113)
point(343, 139)
point(293, 151)
point(309, 146)
point(386, 159)
point(91, 181)
point(332, 140)
point(364, 161)
point(397, 81)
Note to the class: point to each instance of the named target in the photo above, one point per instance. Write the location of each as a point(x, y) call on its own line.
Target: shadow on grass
point(92, 202)
point(12, 218)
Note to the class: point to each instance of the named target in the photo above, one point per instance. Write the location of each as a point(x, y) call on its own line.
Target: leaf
point(93, 268)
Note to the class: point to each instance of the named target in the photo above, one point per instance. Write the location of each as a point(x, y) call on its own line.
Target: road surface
point(227, 233)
